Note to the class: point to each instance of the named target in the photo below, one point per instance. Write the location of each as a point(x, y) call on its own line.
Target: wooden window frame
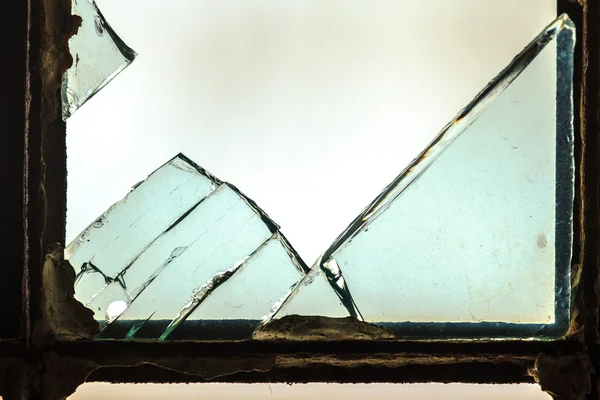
point(38, 358)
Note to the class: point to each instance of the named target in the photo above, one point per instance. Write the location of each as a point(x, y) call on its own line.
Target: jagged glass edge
point(273, 227)
point(565, 172)
point(449, 133)
point(68, 107)
point(74, 244)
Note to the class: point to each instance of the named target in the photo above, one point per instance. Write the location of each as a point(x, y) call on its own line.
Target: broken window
point(472, 239)
point(293, 103)
point(46, 361)
point(182, 228)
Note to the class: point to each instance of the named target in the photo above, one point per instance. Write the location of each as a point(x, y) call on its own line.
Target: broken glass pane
point(235, 309)
point(473, 238)
point(98, 56)
point(116, 238)
point(312, 296)
point(149, 262)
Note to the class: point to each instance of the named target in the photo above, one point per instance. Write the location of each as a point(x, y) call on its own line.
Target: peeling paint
point(576, 325)
point(56, 58)
point(63, 316)
point(307, 328)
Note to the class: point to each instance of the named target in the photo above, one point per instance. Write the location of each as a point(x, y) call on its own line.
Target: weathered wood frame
point(34, 363)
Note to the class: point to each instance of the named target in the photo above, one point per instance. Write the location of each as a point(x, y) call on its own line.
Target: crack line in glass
point(201, 293)
point(236, 228)
point(133, 295)
point(340, 286)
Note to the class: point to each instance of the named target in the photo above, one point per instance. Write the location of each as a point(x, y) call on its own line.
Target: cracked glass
point(183, 229)
point(98, 54)
point(472, 239)
point(313, 391)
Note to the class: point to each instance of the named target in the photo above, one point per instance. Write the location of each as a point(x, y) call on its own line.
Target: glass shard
point(109, 302)
point(235, 309)
point(312, 296)
point(98, 56)
point(119, 236)
point(473, 238)
point(151, 261)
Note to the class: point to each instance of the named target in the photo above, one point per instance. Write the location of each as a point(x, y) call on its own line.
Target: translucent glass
point(313, 296)
point(299, 103)
point(98, 56)
point(149, 262)
point(115, 239)
point(474, 237)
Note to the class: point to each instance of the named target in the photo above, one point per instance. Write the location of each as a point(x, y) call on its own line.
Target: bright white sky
point(310, 107)
point(316, 391)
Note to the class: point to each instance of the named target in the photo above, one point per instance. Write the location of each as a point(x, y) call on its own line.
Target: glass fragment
point(313, 391)
point(312, 296)
point(149, 263)
point(235, 309)
point(98, 56)
point(473, 238)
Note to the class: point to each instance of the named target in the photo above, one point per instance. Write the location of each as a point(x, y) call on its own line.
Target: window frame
point(39, 362)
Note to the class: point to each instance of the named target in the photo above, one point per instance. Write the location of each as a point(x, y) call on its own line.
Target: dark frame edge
point(589, 171)
point(257, 361)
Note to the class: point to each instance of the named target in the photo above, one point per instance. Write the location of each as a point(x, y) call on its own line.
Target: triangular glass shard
point(474, 237)
point(98, 56)
point(177, 240)
point(312, 296)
